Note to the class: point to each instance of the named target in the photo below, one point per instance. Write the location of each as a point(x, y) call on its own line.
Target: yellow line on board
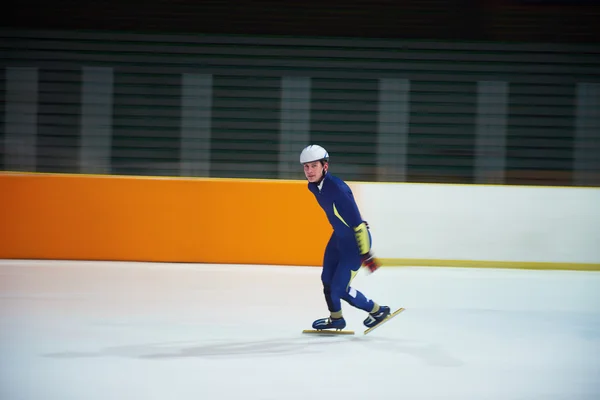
point(419, 262)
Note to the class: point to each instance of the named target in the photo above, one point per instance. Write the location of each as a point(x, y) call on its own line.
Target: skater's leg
point(334, 304)
point(330, 265)
point(349, 264)
point(357, 299)
point(341, 289)
point(352, 260)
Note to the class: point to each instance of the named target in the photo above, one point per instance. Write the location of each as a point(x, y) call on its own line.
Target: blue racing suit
point(342, 258)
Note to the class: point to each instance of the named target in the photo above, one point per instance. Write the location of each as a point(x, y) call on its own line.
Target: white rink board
point(97, 331)
point(479, 222)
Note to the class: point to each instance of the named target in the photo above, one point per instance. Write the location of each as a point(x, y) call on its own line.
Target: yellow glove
point(361, 233)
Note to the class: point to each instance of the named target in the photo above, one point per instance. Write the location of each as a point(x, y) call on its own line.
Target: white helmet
point(314, 152)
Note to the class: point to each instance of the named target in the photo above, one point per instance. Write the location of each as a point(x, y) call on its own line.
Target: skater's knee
point(334, 291)
point(338, 290)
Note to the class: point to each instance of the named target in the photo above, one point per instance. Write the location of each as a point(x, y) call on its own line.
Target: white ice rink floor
point(90, 331)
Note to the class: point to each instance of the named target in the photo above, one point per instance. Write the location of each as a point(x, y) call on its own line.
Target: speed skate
point(328, 331)
point(350, 332)
point(383, 321)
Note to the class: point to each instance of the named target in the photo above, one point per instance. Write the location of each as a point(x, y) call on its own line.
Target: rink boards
point(278, 222)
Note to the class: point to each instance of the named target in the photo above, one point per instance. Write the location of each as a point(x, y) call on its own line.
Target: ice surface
point(99, 330)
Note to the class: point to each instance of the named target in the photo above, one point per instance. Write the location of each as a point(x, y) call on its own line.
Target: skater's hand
point(369, 261)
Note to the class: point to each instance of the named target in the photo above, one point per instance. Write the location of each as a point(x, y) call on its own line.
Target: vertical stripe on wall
point(393, 119)
point(587, 131)
point(295, 121)
point(146, 137)
point(492, 97)
point(59, 120)
point(245, 126)
point(196, 114)
point(96, 120)
point(343, 119)
point(21, 118)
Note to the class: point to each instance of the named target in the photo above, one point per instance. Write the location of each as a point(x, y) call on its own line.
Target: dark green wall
point(245, 115)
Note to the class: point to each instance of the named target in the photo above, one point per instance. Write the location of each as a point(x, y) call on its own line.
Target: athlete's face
point(314, 170)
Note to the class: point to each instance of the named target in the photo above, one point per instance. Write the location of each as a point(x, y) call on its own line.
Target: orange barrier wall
point(79, 217)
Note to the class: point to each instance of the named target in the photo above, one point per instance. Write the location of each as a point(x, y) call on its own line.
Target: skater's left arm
point(351, 216)
point(364, 246)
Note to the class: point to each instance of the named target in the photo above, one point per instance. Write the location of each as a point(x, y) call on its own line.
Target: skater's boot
point(376, 317)
point(329, 323)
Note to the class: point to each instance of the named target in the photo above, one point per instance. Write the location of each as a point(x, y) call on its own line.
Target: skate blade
point(327, 332)
point(392, 315)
